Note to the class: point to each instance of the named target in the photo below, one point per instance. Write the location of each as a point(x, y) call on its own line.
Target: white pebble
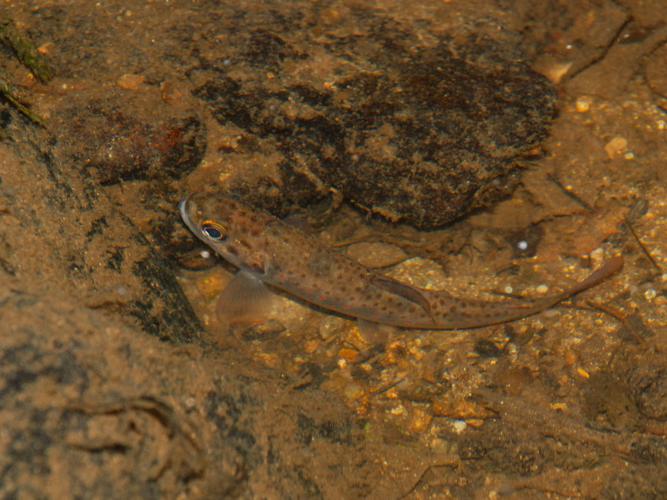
point(597, 255)
point(399, 410)
point(459, 426)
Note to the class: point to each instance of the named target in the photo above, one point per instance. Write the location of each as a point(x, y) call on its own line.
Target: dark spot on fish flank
point(453, 309)
point(314, 266)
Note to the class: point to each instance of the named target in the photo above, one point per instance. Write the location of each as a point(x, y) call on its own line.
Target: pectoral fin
point(245, 301)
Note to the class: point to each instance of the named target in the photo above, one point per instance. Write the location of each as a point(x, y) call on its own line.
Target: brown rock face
point(421, 133)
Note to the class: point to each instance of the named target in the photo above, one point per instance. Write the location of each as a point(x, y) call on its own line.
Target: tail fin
point(610, 267)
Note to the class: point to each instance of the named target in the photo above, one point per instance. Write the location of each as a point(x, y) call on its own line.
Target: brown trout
point(288, 259)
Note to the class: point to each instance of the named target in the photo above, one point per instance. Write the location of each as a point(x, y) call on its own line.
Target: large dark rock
point(419, 132)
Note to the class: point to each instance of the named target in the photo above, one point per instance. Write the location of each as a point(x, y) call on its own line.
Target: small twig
point(621, 318)
point(569, 193)
point(384, 388)
point(636, 212)
point(9, 93)
point(603, 53)
point(422, 477)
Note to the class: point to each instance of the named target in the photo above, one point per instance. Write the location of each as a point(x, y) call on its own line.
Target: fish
point(288, 259)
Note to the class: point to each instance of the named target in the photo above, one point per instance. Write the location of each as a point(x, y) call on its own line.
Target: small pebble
point(583, 104)
point(46, 48)
point(597, 256)
point(353, 392)
point(556, 71)
point(399, 410)
point(459, 426)
point(130, 81)
point(374, 254)
point(617, 147)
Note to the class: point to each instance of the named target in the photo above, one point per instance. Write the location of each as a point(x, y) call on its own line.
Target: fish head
point(233, 230)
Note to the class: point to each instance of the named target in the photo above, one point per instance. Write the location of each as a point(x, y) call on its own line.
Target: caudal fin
point(612, 266)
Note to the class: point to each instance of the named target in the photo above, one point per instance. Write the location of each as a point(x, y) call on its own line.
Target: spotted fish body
point(289, 259)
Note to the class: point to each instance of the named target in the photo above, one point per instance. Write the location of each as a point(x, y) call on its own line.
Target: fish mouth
point(184, 208)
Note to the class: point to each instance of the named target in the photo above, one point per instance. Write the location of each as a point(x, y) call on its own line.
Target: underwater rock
point(421, 132)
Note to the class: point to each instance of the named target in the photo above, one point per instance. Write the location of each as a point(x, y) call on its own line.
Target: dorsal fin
point(406, 291)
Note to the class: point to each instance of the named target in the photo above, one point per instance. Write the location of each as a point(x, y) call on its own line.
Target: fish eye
point(213, 230)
